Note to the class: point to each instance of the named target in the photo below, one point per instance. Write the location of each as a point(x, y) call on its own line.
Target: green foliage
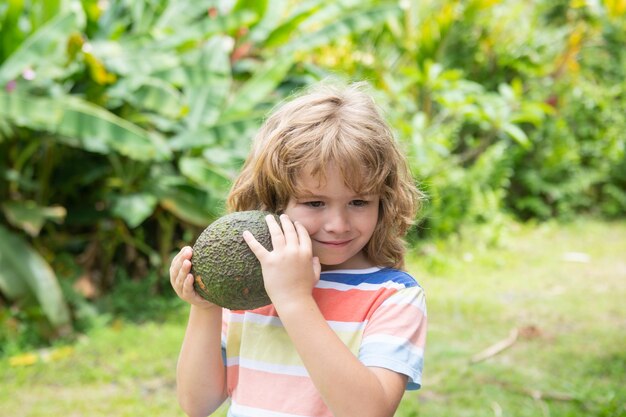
point(137, 300)
point(24, 272)
point(577, 156)
point(503, 106)
point(122, 124)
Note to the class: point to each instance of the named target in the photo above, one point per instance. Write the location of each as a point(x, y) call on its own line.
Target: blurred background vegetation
point(122, 124)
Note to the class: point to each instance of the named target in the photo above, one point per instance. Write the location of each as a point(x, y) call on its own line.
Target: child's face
point(339, 221)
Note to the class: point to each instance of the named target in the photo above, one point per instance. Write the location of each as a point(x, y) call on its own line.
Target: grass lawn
point(557, 293)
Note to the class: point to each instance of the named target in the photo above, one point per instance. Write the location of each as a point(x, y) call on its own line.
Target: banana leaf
point(30, 217)
point(206, 175)
point(82, 124)
point(152, 94)
point(209, 78)
point(23, 271)
point(228, 132)
point(206, 28)
point(180, 14)
point(38, 46)
point(259, 86)
point(351, 25)
point(134, 208)
point(190, 204)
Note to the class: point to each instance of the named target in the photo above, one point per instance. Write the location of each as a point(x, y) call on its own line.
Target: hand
point(289, 271)
point(182, 280)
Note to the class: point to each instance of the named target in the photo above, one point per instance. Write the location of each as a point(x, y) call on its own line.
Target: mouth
point(335, 243)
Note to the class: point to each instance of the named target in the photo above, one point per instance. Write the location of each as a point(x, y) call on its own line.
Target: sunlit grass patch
point(567, 357)
point(561, 289)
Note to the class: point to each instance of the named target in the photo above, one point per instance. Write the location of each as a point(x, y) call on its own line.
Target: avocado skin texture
point(226, 272)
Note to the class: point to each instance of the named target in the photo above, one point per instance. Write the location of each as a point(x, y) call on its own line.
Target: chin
point(338, 264)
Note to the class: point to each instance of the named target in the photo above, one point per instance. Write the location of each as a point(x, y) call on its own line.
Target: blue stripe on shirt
point(378, 277)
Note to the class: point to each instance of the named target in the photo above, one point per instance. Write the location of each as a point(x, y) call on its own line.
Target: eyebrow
point(308, 195)
point(323, 197)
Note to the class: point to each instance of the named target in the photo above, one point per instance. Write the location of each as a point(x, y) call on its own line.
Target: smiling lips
point(336, 244)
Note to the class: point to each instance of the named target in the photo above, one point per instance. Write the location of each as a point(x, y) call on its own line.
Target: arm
point(200, 373)
point(348, 387)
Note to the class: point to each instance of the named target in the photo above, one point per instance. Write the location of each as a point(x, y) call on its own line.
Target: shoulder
point(398, 276)
point(371, 277)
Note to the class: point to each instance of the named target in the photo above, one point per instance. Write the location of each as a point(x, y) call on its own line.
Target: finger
point(185, 268)
point(317, 267)
point(256, 248)
point(289, 231)
point(303, 236)
point(174, 265)
point(187, 289)
point(184, 253)
point(278, 238)
point(174, 270)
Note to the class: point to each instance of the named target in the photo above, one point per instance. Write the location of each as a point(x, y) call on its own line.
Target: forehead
point(329, 181)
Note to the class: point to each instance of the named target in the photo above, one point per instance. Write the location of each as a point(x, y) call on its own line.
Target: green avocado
point(226, 272)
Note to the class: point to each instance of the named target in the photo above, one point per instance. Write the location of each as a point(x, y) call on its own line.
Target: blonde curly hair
point(341, 125)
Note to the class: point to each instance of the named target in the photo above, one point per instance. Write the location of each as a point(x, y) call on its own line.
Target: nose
point(337, 221)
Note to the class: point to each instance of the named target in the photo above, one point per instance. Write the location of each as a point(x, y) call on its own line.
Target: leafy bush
point(505, 107)
point(123, 123)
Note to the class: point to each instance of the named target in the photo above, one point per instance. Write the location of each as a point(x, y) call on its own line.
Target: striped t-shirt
point(379, 313)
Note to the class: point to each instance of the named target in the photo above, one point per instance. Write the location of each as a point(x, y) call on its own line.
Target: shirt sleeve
point(395, 335)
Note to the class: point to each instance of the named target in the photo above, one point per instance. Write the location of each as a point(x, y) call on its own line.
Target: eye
point(314, 204)
point(359, 203)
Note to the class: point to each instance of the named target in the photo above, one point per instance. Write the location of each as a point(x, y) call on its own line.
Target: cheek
point(370, 220)
point(304, 216)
